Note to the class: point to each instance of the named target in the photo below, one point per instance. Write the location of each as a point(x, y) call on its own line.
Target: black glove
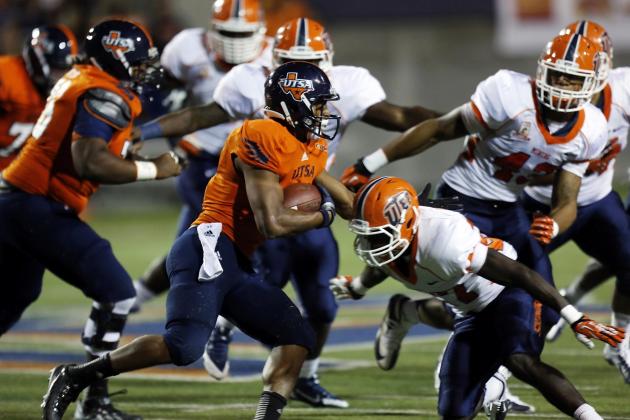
point(446, 203)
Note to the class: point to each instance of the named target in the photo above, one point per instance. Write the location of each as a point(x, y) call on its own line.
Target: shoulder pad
point(109, 107)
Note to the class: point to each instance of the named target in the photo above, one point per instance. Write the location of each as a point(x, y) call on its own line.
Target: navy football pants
point(38, 233)
point(260, 310)
point(601, 230)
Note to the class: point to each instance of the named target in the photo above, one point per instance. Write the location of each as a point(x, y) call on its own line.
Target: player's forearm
point(413, 141)
point(108, 169)
point(539, 289)
point(285, 222)
point(372, 276)
point(564, 215)
point(183, 122)
point(342, 196)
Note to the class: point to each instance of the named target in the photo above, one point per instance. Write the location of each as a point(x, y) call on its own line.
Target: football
point(303, 197)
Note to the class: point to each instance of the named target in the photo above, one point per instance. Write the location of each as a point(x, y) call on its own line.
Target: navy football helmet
point(296, 93)
point(48, 53)
point(125, 50)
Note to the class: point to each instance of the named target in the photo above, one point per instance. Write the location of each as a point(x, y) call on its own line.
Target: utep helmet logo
point(116, 45)
point(295, 87)
point(396, 208)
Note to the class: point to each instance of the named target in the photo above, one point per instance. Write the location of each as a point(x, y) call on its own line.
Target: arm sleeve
point(259, 149)
point(88, 125)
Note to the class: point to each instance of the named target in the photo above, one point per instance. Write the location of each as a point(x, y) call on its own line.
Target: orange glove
point(585, 329)
point(543, 228)
point(355, 176)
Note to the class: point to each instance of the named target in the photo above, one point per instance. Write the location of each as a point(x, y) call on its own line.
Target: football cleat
point(215, 357)
point(100, 408)
point(63, 389)
point(623, 359)
point(497, 410)
point(391, 333)
point(516, 405)
point(310, 391)
point(611, 354)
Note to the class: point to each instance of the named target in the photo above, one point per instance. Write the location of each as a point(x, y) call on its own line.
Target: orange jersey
point(20, 106)
point(45, 166)
point(264, 144)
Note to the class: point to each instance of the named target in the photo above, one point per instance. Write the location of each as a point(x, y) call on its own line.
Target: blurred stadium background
point(431, 53)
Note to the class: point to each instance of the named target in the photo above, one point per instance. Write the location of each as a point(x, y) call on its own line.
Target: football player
point(497, 299)
point(78, 143)
point(196, 59)
point(600, 213)
point(311, 258)
point(26, 81)
point(209, 266)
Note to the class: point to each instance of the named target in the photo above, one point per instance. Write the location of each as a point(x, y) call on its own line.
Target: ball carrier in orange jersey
point(209, 266)
point(77, 143)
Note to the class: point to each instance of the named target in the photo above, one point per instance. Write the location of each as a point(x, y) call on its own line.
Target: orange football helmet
point(303, 39)
point(385, 220)
point(576, 58)
point(237, 30)
point(597, 34)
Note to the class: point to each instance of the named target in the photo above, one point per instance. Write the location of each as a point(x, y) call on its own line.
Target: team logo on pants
point(295, 87)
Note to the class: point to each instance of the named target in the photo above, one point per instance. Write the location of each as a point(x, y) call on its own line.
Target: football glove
point(585, 329)
point(346, 287)
point(446, 203)
point(355, 176)
point(543, 228)
point(327, 207)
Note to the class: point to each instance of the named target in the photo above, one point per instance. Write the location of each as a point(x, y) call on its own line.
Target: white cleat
point(390, 333)
point(623, 359)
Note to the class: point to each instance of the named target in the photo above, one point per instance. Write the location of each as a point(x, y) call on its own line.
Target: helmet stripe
point(569, 55)
point(300, 39)
point(236, 8)
point(364, 194)
point(581, 28)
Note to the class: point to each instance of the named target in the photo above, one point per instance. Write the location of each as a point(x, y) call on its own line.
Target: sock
point(495, 388)
point(619, 319)
point(224, 323)
point(309, 368)
point(410, 312)
point(94, 370)
point(586, 412)
point(143, 293)
point(270, 406)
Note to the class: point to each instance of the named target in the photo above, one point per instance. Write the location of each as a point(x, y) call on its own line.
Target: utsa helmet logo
point(396, 208)
point(292, 85)
point(116, 45)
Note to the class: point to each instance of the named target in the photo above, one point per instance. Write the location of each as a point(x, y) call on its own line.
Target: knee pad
point(104, 327)
point(186, 341)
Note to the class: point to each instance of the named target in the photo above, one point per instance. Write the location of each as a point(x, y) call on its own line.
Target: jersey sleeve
point(104, 106)
point(358, 90)
point(260, 148)
point(87, 124)
point(180, 50)
point(487, 104)
point(459, 249)
point(237, 93)
point(596, 140)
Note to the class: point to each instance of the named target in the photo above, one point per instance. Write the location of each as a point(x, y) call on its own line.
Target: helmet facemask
point(559, 98)
point(379, 245)
point(235, 41)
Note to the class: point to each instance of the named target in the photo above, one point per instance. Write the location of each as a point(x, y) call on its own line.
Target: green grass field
point(406, 392)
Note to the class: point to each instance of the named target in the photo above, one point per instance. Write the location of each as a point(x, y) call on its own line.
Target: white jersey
point(515, 145)
point(597, 183)
point(241, 93)
point(189, 58)
point(448, 252)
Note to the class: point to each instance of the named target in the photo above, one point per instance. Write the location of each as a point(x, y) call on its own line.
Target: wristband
point(150, 130)
point(145, 170)
point(556, 229)
point(357, 286)
point(328, 219)
point(375, 161)
point(570, 314)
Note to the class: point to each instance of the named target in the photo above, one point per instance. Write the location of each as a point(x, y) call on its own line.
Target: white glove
point(347, 287)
